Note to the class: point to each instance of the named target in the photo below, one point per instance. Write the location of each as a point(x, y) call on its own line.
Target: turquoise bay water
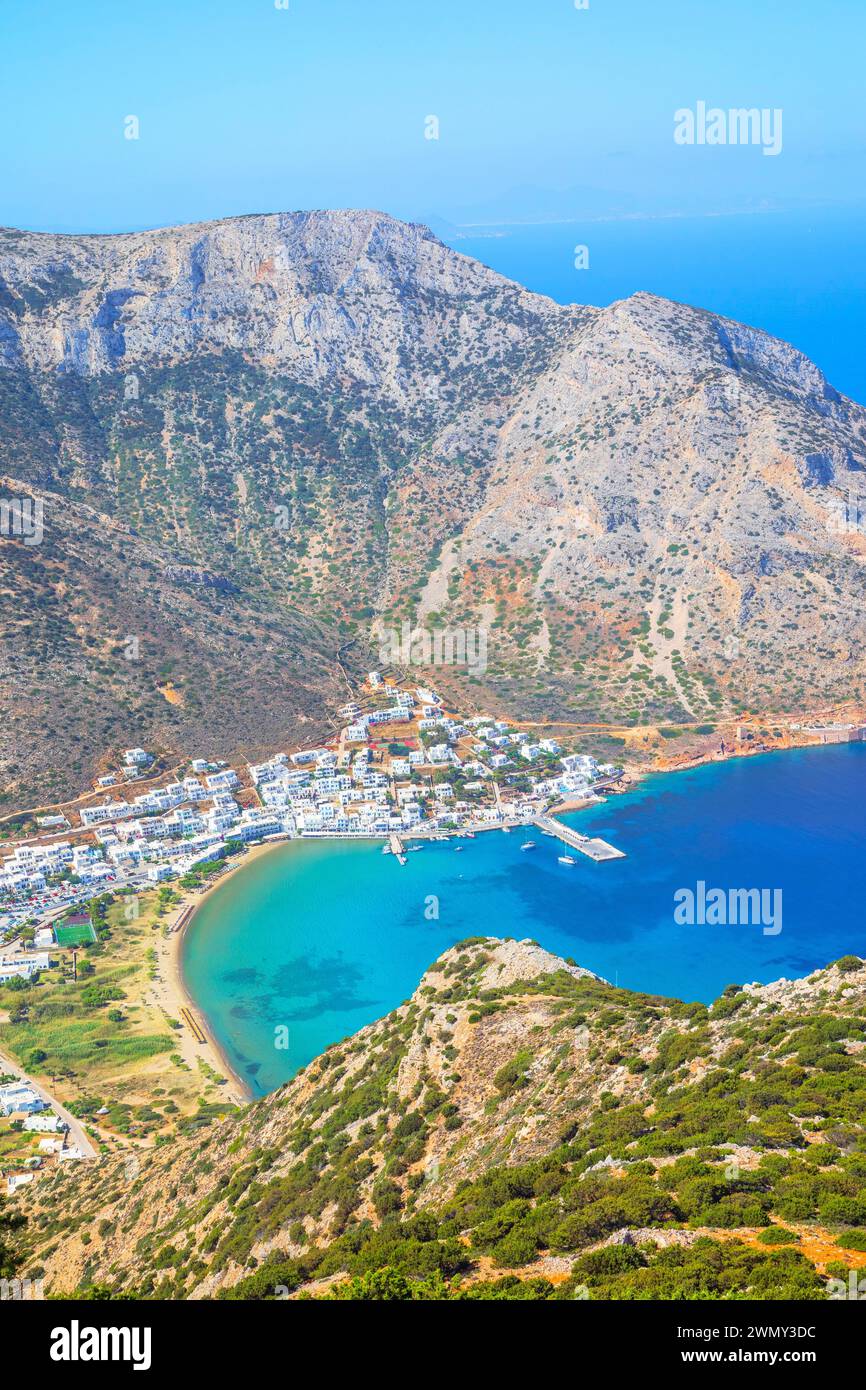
point(321, 937)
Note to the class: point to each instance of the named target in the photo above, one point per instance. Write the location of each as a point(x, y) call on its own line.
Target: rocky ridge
point(651, 510)
point(516, 1109)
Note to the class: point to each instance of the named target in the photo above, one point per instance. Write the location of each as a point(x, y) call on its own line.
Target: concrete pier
point(592, 847)
point(397, 848)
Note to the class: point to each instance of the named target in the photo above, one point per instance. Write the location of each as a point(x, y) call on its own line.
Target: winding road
point(75, 1134)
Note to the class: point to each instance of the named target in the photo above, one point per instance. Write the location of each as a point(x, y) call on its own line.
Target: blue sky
point(543, 109)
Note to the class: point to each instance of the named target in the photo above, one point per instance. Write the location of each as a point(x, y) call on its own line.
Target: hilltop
point(518, 1120)
point(256, 439)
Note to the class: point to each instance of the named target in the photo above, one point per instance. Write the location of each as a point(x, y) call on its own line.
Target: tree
point(379, 1285)
point(387, 1196)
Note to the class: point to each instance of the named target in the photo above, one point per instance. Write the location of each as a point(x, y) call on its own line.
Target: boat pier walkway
point(396, 846)
point(593, 848)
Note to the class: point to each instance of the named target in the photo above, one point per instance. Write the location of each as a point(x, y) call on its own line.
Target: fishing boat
point(528, 844)
point(566, 859)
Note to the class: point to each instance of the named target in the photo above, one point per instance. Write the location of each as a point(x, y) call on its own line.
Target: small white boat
point(506, 829)
point(413, 849)
point(470, 834)
point(458, 849)
point(529, 844)
point(566, 859)
point(386, 849)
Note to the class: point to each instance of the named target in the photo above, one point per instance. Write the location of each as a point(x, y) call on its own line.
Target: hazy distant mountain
point(534, 203)
point(256, 436)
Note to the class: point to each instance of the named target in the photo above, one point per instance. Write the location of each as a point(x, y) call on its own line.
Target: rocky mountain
point(518, 1128)
point(339, 424)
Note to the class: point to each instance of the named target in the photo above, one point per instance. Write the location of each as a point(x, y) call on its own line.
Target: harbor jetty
point(592, 847)
point(396, 847)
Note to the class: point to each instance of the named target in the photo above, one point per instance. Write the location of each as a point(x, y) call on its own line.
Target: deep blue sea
point(320, 938)
point(798, 275)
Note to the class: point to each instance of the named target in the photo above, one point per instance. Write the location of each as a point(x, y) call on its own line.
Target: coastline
point(172, 994)
point(177, 996)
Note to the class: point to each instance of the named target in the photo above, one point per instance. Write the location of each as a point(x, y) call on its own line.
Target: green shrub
point(778, 1235)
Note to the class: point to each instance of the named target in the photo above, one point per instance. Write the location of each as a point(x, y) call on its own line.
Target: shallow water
point(320, 937)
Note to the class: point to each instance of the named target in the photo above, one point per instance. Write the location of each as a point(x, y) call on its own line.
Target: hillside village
point(400, 765)
point(32, 1118)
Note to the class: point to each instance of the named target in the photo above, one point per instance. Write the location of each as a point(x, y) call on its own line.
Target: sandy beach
point(170, 993)
point(169, 990)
